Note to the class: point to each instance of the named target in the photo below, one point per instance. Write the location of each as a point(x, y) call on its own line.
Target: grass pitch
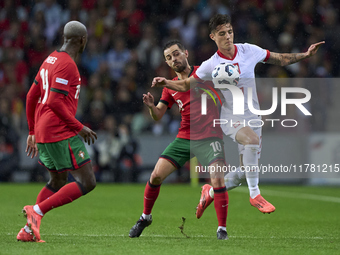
point(306, 221)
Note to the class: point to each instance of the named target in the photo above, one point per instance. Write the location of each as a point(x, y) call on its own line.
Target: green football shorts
point(65, 155)
point(206, 150)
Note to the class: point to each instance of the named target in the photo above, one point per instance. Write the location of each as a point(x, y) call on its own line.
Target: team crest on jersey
point(81, 154)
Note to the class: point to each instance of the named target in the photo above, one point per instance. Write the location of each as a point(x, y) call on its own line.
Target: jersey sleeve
point(63, 78)
point(32, 99)
point(259, 54)
point(56, 102)
point(166, 98)
point(203, 73)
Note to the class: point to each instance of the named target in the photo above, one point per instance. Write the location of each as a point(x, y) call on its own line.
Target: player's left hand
point(31, 147)
point(88, 135)
point(314, 48)
point(148, 99)
point(158, 82)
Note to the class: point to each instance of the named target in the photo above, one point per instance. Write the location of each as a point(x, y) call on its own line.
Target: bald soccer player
point(53, 131)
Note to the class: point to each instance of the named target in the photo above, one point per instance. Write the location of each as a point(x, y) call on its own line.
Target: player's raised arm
point(284, 59)
point(180, 85)
point(156, 112)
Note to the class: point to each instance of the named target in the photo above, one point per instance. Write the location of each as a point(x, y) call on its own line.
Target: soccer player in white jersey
point(245, 57)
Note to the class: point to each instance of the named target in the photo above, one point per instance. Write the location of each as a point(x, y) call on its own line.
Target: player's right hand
point(88, 135)
point(148, 99)
point(158, 82)
point(31, 147)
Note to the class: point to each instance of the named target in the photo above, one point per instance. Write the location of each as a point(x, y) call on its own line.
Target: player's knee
point(57, 184)
point(88, 185)
point(155, 179)
point(252, 139)
point(91, 184)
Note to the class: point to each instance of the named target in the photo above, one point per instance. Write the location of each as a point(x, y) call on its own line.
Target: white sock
point(146, 216)
point(250, 162)
point(220, 227)
point(234, 179)
point(27, 229)
point(211, 192)
point(36, 208)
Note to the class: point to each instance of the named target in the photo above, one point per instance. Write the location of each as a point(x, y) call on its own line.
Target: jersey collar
point(222, 56)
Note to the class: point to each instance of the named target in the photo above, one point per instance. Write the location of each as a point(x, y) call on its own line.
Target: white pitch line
point(293, 195)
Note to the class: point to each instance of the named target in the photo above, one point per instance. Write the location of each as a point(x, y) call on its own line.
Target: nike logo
point(215, 154)
point(225, 205)
point(174, 94)
point(148, 198)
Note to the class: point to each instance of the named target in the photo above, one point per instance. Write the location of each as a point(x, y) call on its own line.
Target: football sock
point(211, 192)
point(44, 193)
point(150, 195)
point(220, 227)
point(250, 162)
point(234, 179)
point(36, 208)
point(221, 205)
point(146, 216)
point(27, 229)
point(65, 195)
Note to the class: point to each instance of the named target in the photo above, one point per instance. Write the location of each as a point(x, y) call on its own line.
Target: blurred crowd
point(124, 53)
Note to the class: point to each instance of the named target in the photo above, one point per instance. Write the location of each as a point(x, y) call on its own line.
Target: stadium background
point(124, 53)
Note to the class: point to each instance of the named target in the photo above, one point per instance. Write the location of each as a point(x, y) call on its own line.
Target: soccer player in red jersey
point(245, 57)
point(53, 131)
point(196, 136)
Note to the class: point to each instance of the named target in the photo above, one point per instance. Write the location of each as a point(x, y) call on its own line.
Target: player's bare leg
point(161, 171)
point(85, 182)
point(221, 199)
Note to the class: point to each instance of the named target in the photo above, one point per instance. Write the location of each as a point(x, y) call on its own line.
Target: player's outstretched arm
point(179, 85)
point(284, 59)
point(156, 112)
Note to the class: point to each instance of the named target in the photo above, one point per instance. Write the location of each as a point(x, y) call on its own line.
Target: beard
point(180, 68)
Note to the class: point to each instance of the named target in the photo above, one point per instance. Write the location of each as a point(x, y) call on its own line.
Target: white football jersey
point(245, 58)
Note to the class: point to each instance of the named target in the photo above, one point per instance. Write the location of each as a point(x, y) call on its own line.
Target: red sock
point(150, 195)
point(65, 195)
point(221, 200)
point(44, 193)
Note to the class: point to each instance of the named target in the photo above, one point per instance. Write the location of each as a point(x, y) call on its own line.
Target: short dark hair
point(217, 20)
point(173, 42)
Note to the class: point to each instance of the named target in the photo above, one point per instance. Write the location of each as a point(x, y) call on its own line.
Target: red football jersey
point(58, 73)
point(194, 125)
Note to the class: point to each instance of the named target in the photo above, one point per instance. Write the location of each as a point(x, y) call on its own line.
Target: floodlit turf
point(306, 221)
